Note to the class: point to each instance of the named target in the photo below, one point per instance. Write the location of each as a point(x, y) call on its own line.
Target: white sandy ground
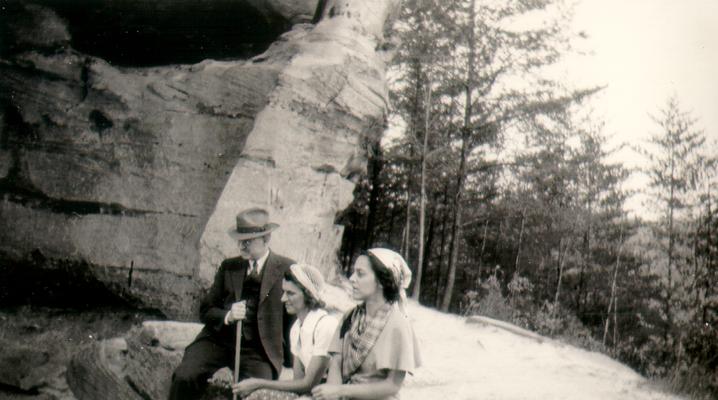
point(495, 360)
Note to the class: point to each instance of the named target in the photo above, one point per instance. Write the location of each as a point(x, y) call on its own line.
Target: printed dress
point(394, 348)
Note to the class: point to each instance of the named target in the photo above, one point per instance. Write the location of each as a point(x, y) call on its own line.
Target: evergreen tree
point(674, 155)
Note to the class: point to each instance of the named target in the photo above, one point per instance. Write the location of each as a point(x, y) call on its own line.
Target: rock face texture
point(137, 366)
point(37, 344)
point(25, 366)
point(135, 173)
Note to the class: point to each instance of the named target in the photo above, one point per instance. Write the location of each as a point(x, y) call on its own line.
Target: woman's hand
point(246, 386)
point(327, 392)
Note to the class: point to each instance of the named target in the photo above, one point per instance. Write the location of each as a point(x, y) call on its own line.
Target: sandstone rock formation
point(99, 370)
point(37, 344)
point(26, 367)
point(133, 173)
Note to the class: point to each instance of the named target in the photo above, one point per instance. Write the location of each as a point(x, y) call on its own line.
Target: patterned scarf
point(362, 336)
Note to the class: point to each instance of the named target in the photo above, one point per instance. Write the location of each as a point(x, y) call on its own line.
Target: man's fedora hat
point(252, 223)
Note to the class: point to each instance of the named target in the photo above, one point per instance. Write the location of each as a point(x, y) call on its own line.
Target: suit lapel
point(238, 275)
point(270, 275)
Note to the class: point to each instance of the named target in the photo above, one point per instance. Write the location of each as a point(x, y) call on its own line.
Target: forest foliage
point(503, 194)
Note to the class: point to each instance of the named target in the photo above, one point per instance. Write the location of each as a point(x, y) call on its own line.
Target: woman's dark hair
point(384, 277)
point(309, 301)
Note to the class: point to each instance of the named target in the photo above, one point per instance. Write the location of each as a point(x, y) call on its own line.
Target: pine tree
point(674, 155)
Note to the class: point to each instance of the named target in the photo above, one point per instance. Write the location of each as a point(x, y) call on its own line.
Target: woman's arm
point(301, 384)
point(334, 375)
point(362, 391)
point(298, 369)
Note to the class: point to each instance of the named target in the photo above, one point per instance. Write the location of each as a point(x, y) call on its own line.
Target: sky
point(645, 51)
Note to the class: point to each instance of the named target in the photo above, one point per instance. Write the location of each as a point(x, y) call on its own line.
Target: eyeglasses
point(246, 242)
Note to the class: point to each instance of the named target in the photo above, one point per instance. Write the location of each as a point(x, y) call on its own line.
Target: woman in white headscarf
point(309, 338)
point(374, 347)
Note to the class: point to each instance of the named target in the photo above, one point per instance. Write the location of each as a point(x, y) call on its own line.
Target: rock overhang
point(160, 32)
point(138, 171)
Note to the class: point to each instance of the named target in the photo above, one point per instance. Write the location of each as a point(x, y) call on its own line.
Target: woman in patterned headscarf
point(375, 346)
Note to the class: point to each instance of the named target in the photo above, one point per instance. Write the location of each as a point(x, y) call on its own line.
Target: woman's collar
point(313, 316)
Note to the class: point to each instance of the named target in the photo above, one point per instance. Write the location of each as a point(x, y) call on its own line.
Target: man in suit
point(246, 288)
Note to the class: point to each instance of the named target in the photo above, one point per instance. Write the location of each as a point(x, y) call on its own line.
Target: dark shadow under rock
point(146, 33)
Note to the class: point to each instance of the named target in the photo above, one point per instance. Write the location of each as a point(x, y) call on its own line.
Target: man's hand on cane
point(237, 313)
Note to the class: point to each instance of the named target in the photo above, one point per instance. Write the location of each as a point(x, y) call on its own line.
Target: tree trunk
point(615, 322)
point(375, 167)
point(454, 256)
point(521, 236)
point(413, 129)
point(669, 288)
point(465, 136)
point(407, 227)
point(442, 248)
point(586, 254)
point(696, 271)
point(711, 267)
point(483, 246)
point(612, 299)
point(422, 203)
point(561, 263)
point(429, 241)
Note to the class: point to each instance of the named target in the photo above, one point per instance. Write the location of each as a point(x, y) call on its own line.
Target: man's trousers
point(205, 356)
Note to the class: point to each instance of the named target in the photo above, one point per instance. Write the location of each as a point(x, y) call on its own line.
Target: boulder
point(139, 365)
point(38, 343)
point(136, 172)
point(482, 321)
point(154, 351)
point(169, 335)
point(98, 372)
point(24, 367)
point(32, 370)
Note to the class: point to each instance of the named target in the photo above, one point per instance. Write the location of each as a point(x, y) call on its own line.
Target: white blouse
point(312, 337)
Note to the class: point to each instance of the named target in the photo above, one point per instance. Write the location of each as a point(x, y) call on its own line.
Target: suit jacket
point(273, 321)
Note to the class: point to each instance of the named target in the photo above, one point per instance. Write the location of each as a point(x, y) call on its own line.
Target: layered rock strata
point(136, 173)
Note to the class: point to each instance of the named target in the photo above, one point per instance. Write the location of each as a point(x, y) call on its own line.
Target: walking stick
point(237, 348)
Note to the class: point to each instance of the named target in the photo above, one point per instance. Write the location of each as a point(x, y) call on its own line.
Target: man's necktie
point(254, 270)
